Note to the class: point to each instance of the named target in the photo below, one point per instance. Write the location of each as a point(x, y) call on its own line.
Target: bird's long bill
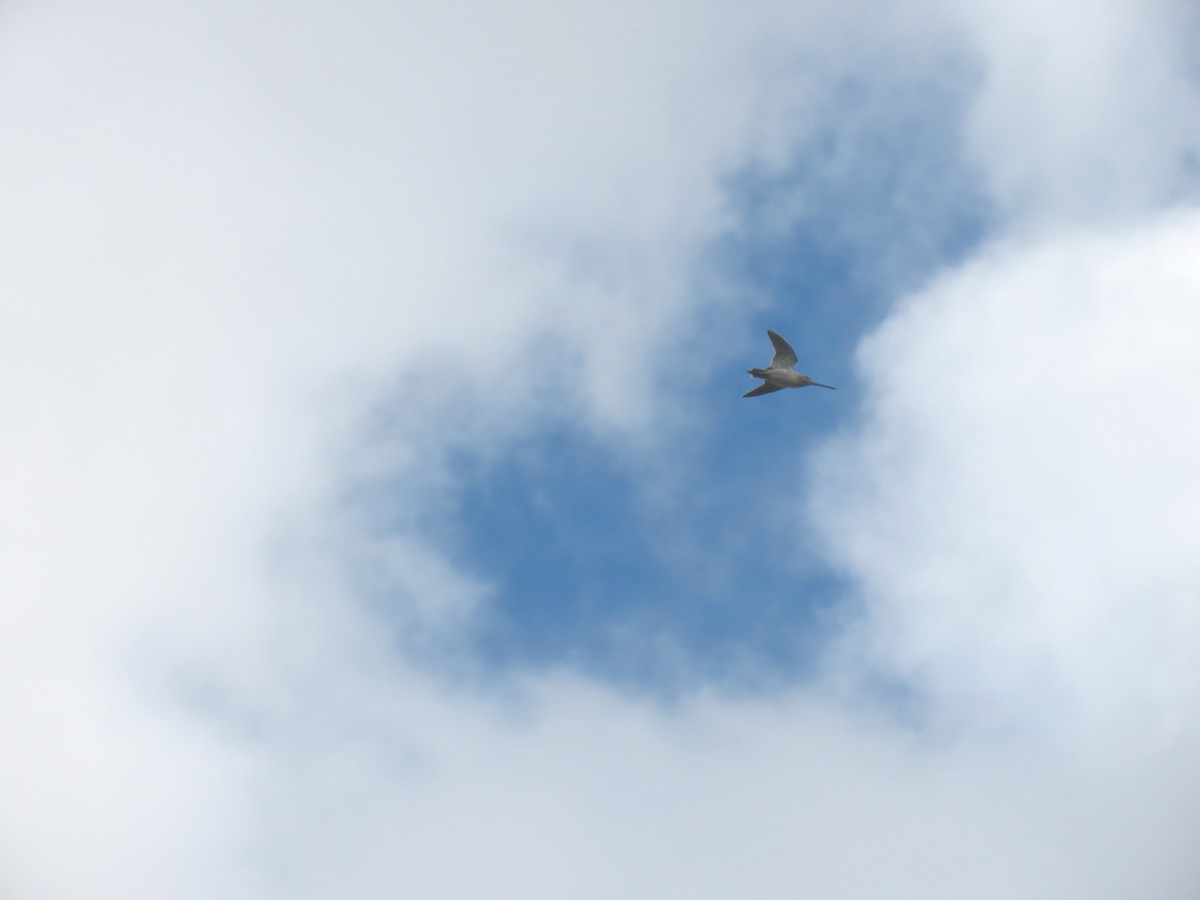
point(818, 384)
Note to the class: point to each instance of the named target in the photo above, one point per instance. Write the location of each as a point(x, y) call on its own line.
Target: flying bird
point(782, 371)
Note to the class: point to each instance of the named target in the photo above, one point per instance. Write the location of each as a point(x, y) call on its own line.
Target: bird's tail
point(757, 373)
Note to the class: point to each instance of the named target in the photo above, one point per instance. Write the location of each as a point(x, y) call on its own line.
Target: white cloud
point(1021, 501)
point(1018, 505)
point(1086, 111)
point(230, 231)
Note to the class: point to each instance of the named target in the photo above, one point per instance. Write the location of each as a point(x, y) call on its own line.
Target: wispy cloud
point(1085, 113)
point(279, 280)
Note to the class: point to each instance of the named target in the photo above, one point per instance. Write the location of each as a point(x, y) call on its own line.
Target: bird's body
point(782, 371)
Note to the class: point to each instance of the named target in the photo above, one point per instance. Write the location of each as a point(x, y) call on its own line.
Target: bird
point(782, 371)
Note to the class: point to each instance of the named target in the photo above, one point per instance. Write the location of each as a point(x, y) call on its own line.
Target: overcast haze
point(381, 516)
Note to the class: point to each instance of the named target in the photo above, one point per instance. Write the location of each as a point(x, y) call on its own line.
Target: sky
point(382, 516)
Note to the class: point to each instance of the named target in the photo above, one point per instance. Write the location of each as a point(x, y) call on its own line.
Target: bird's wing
point(785, 356)
point(764, 388)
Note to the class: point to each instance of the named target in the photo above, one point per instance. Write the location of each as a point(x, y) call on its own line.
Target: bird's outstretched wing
point(785, 356)
point(764, 388)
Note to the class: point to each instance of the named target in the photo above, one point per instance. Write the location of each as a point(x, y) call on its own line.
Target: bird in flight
point(782, 371)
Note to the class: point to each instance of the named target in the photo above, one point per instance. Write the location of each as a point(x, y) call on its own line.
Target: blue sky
point(591, 560)
point(383, 515)
point(723, 581)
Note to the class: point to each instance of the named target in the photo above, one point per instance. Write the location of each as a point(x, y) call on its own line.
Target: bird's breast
point(785, 378)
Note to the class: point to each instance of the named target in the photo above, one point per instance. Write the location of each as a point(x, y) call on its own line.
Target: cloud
point(1085, 113)
point(1020, 497)
point(1017, 511)
point(271, 271)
